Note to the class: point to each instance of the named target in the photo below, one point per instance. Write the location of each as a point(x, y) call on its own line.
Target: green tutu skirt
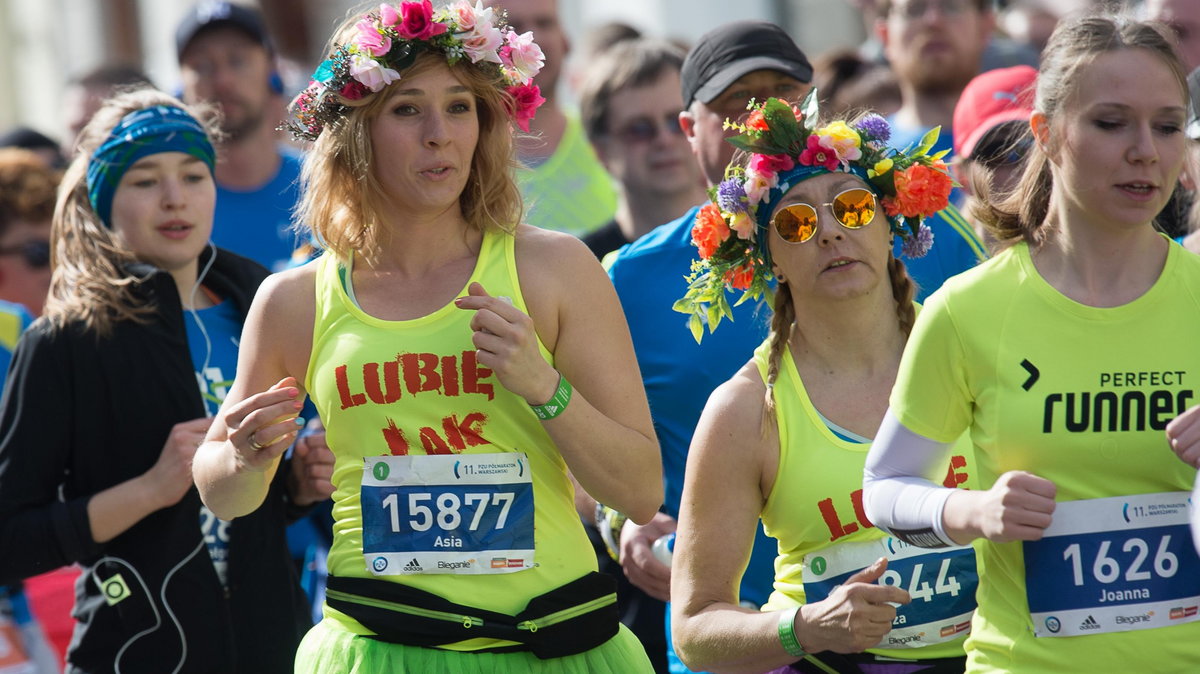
point(329, 649)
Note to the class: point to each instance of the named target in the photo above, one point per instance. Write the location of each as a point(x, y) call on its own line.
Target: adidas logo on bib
point(413, 566)
point(1089, 624)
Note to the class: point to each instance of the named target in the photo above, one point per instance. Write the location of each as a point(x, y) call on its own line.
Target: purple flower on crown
point(731, 196)
point(919, 245)
point(876, 127)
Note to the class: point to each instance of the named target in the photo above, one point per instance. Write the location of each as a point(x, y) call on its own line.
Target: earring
point(779, 276)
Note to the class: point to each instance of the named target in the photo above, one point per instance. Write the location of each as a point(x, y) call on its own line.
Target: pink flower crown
point(786, 147)
point(388, 41)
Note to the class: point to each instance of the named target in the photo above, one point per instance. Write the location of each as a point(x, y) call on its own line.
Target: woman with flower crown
point(814, 207)
point(1051, 357)
point(465, 366)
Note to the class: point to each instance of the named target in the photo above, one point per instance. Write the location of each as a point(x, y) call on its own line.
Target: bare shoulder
point(736, 407)
point(552, 249)
point(561, 278)
point(282, 315)
point(285, 293)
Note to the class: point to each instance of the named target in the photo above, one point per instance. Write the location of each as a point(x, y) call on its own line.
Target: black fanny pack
point(570, 619)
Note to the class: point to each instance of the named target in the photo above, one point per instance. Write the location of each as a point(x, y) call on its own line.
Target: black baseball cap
point(728, 52)
point(214, 13)
point(1193, 127)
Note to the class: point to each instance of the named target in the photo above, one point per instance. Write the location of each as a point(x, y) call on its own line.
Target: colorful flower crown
point(388, 41)
point(786, 147)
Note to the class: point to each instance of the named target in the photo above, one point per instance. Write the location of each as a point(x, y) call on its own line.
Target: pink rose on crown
point(417, 22)
point(482, 45)
point(522, 55)
point(771, 163)
point(371, 40)
point(371, 72)
point(388, 15)
point(465, 15)
point(758, 185)
point(527, 98)
point(481, 40)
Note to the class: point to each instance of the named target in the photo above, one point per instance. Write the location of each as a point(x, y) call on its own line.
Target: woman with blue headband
point(812, 207)
point(465, 366)
point(110, 394)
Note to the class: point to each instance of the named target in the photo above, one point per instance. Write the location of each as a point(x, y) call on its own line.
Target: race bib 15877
point(458, 514)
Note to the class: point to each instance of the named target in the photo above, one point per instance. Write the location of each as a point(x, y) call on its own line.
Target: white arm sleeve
point(896, 495)
point(1196, 513)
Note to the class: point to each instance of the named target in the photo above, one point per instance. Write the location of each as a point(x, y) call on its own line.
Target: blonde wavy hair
point(342, 201)
point(90, 282)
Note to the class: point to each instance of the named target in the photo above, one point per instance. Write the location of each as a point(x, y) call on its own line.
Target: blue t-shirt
point(956, 247)
point(678, 373)
point(214, 350)
point(258, 223)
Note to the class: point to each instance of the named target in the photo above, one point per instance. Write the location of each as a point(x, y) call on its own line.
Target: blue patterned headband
point(162, 128)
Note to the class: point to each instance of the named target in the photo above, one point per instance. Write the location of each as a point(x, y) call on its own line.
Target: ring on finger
point(254, 444)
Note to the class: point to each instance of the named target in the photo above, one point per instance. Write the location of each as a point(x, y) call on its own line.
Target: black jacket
point(81, 414)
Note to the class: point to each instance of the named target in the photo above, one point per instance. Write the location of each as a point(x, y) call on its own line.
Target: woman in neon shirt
point(465, 367)
point(815, 206)
point(1043, 354)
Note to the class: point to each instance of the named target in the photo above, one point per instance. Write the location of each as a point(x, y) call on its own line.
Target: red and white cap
point(992, 98)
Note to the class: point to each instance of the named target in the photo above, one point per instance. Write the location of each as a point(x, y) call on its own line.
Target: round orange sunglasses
point(853, 209)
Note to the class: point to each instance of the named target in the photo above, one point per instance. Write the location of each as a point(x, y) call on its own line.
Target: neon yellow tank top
point(815, 512)
point(414, 388)
point(571, 191)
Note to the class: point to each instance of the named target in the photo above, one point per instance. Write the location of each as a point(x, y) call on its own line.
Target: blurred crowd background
point(45, 44)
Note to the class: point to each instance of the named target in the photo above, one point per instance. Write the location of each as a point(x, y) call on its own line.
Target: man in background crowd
point(629, 106)
point(226, 58)
point(565, 187)
point(935, 48)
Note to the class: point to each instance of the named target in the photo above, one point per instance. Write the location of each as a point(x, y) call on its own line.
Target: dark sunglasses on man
point(646, 130)
point(35, 252)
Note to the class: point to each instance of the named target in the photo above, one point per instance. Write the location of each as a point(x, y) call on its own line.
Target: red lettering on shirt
point(394, 437)
point(450, 375)
point(473, 373)
point(953, 478)
point(390, 392)
point(465, 433)
point(420, 372)
point(433, 443)
point(343, 385)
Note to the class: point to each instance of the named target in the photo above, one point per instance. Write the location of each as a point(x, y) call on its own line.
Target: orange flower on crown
point(757, 121)
point(920, 191)
point(740, 278)
point(710, 230)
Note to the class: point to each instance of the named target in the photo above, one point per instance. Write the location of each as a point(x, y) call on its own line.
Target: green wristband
point(557, 402)
point(787, 633)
